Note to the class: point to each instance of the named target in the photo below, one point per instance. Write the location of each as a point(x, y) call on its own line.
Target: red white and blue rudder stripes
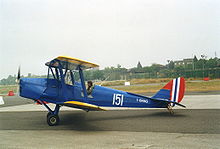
point(174, 91)
point(177, 89)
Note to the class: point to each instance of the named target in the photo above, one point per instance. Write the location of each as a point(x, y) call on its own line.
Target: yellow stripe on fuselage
point(84, 105)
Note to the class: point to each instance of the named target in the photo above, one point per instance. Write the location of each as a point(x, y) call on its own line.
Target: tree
point(211, 63)
point(97, 75)
point(195, 59)
point(139, 66)
point(200, 63)
point(171, 65)
point(9, 81)
point(118, 66)
point(179, 71)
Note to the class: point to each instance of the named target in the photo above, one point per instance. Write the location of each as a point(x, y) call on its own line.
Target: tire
point(48, 114)
point(53, 120)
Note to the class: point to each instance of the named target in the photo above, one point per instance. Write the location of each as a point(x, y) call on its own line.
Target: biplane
point(62, 88)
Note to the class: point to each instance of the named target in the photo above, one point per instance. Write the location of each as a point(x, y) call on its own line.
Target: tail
point(174, 91)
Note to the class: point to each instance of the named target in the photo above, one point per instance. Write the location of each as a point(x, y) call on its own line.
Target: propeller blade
point(18, 79)
point(19, 74)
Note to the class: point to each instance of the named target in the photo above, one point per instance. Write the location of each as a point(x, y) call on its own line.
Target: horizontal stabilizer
point(168, 101)
point(158, 99)
point(83, 105)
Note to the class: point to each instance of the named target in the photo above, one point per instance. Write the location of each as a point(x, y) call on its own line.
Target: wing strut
point(83, 83)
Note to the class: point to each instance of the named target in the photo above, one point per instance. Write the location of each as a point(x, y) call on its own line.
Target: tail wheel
point(169, 108)
point(53, 120)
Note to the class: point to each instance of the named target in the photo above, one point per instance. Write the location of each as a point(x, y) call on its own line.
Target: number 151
point(117, 99)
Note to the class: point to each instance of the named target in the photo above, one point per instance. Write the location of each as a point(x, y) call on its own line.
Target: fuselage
point(53, 91)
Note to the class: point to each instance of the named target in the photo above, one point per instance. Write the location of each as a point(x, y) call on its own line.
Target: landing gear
point(52, 115)
point(169, 108)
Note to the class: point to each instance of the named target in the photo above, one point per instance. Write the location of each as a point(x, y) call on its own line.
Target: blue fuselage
point(53, 91)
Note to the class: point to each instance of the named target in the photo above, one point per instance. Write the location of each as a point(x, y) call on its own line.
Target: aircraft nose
point(21, 82)
point(32, 88)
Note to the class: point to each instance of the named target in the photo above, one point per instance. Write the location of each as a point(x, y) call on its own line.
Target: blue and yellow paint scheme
point(61, 88)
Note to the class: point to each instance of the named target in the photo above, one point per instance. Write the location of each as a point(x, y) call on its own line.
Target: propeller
point(19, 74)
point(18, 79)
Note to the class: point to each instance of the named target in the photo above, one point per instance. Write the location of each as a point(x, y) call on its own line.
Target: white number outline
point(117, 99)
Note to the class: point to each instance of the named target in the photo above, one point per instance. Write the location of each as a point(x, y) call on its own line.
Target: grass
point(149, 81)
point(140, 89)
point(111, 83)
point(203, 86)
point(133, 82)
point(4, 89)
point(190, 87)
point(141, 81)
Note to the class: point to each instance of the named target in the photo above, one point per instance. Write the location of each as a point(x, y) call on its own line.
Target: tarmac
point(23, 125)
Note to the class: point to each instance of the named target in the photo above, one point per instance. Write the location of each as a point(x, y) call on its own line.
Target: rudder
point(174, 90)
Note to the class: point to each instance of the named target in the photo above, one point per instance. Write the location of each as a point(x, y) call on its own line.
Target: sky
point(106, 32)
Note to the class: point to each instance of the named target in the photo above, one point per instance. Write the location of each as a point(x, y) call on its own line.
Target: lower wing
point(83, 105)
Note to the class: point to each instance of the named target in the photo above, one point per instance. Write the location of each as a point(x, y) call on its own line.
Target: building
point(184, 62)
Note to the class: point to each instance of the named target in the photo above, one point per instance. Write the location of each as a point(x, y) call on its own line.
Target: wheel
point(169, 108)
point(48, 114)
point(52, 119)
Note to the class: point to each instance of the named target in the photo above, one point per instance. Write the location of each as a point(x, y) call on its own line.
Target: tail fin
point(174, 90)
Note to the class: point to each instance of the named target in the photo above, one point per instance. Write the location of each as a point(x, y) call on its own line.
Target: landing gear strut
point(52, 115)
point(169, 108)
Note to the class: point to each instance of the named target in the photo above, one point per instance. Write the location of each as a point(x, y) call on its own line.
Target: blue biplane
point(61, 89)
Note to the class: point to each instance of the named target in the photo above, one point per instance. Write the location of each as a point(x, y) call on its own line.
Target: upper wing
point(83, 105)
point(71, 63)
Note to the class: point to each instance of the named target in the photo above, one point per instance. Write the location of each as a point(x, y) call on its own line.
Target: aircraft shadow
point(114, 120)
point(77, 121)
